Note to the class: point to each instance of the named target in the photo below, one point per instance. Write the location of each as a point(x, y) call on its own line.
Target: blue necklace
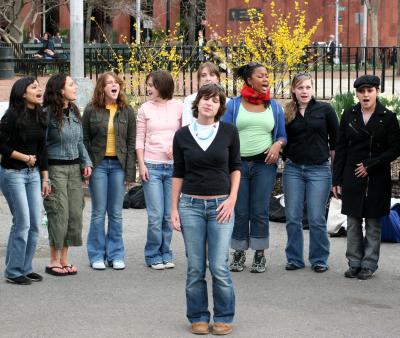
point(211, 133)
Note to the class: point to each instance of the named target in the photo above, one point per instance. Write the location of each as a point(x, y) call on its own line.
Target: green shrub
point(341, 102)
point(392, 103)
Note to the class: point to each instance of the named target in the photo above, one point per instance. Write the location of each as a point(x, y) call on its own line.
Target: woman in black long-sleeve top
point(204, 191)
point(311, 128)
point(369, 139)
point(22, 145)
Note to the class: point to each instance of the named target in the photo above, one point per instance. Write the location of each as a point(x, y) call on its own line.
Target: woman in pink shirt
point(158, 120)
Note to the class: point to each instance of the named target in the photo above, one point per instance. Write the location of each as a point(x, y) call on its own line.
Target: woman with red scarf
point(261, 126)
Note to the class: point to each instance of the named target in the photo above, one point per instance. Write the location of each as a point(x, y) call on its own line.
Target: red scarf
point(253, 96)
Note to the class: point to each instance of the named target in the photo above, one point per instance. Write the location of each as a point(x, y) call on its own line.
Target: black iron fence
point(332, 72)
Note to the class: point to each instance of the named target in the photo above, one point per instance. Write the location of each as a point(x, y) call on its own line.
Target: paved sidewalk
point(140, 302)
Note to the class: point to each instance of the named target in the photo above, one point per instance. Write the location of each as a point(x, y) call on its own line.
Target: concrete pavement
point(140, 302)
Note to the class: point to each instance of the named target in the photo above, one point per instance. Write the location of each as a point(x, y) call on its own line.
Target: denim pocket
point(184, 204)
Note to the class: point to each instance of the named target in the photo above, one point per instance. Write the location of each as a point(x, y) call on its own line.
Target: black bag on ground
point(276, 210)
point(134, 198)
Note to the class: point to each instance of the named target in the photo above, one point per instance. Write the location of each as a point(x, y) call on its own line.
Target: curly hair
point(99, 100)
point(53, 99)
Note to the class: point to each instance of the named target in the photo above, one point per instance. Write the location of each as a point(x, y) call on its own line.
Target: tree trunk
point(88, 27)
point(108, 28)
point(191, 33)
point(374, 24)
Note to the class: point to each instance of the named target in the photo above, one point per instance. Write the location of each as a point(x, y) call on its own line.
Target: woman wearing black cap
point(369, 139)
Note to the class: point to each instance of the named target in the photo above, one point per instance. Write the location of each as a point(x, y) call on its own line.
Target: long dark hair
point(53, 99)
point(18, 103)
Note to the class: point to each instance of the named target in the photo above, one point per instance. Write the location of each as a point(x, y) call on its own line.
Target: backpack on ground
point(134, 198)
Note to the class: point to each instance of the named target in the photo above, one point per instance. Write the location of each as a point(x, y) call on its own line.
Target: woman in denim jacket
point(68, 163)
point(109, 135)
point(261, 126)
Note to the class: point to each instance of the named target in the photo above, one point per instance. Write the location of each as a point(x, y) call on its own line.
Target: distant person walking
point(331, 49)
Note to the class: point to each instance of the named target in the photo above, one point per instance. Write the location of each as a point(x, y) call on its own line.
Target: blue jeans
point(313, 182)
point(107, 191)
point(22, 190)
point(252, 206)
point(157, 193)
point(201, 229)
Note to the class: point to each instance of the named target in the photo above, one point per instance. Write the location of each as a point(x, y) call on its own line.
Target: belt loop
point(191, 200)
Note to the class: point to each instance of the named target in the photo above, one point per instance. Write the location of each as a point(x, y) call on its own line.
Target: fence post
point(383, 58)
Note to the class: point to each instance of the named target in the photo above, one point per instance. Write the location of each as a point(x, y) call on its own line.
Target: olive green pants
point(64, 206)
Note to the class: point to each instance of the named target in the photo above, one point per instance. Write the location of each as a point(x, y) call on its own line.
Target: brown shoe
point(221, 328)
point(200, 328)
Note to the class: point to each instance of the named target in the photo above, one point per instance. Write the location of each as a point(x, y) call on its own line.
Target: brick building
point(226, 14)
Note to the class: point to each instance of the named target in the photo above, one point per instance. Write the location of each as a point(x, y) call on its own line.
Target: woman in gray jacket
point(69, 163)
point(109, 136)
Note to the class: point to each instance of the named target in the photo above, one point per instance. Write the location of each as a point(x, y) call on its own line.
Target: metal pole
point(336, 60)
point(76, 18)
point(138, 22)
point(44, 17)
point(77, 54)
point(168, 23)
point(365, 31)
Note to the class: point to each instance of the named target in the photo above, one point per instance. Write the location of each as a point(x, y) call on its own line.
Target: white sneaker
point(98, 265)
point(169, 265)
point(118, 265)
point(157, 266)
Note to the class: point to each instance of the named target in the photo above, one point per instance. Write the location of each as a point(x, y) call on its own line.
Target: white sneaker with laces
point(157, 266)
point(169, 265)
point(118, 265)
point(98, 265)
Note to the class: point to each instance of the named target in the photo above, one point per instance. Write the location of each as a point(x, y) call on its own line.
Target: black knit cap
point(367, 81)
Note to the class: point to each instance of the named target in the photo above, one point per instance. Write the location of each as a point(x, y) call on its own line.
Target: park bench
point(28, 64)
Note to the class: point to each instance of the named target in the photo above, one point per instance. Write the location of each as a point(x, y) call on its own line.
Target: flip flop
point(66, 267)
point(51, 271)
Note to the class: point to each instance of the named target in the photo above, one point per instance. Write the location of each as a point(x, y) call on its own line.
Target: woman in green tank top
point(260, 122)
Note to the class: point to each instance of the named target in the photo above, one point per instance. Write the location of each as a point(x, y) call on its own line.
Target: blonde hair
point(292, 107)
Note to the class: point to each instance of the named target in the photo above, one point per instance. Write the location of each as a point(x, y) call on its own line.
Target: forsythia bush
point(280, 47)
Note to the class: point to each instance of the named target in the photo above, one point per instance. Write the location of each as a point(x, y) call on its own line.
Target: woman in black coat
point(369, 139)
